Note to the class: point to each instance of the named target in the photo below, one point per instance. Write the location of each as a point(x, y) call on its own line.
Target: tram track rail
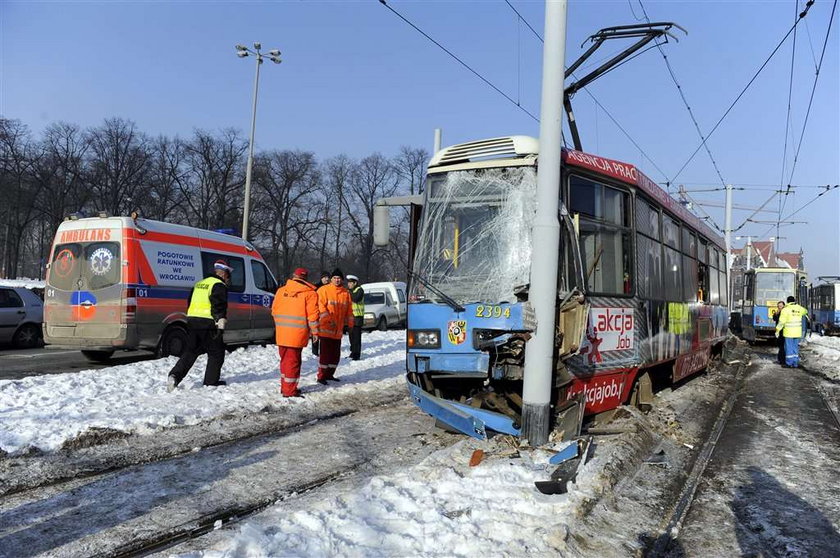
point(146, 508)
point(671, 528)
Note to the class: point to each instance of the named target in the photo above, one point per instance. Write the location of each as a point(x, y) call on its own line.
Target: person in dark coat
point(357, 297)
point(206, 321)
point(325, 280)
point(781, 340)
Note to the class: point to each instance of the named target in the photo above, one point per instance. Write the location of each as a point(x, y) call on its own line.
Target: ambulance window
point(102, 264)
point(262, 277)
point(64, 267)
point(237, 277)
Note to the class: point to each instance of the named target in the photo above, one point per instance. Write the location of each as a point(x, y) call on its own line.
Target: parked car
point(21, 314)
point(384, 305)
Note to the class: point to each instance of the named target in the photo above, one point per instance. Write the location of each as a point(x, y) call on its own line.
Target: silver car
point(21, 314)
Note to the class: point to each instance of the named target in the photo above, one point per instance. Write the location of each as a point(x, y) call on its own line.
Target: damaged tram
point(641, 285)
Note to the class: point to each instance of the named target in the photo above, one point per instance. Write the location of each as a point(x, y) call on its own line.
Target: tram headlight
point(423, 339)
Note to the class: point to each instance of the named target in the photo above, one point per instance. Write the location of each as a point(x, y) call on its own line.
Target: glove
point(346, 330)
point(221, 323)
point(777, 334)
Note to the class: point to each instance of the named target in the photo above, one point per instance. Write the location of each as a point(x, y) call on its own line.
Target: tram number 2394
point(486, 311)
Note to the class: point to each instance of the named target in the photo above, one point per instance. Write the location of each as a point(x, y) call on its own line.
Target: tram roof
point(518, 147)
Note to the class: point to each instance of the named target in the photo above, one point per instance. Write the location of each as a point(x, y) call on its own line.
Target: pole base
point(535, 423)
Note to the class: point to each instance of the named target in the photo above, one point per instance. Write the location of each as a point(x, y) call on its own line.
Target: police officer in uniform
point(357, 296)
point(206, 321)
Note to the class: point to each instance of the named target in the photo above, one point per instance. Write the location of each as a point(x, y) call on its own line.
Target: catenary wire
point(783, 201)
point(683, 97)
point(464, 64)
point(598, 103)
point(746, 87)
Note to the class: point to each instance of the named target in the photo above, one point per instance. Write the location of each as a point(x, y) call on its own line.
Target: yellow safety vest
point(791, 320)
point(200, 300)
point(359, 307)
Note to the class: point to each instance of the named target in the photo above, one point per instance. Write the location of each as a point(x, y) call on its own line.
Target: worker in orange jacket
point(336, 319)
point(296, 314)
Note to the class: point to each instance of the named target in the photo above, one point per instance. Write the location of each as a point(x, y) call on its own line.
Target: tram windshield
point(475, 238)
point(772, 287)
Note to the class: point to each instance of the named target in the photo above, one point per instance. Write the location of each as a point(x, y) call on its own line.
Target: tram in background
point(764, 288)
point(825, 306)
point(641, 286)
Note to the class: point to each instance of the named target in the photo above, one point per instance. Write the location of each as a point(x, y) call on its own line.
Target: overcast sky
point(356, 79)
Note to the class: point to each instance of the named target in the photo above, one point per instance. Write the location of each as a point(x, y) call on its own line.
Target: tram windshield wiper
point(445, 297)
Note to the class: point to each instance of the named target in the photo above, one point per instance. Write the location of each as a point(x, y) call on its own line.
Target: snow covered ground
point(823, 355)
point(23, 282)
point(45, 412)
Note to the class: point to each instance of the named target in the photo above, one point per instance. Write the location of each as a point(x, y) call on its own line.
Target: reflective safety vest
point(200, 299)
point(791, 320)
point(359, 307)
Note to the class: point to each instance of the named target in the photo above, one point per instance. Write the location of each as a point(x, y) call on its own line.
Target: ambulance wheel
point(98, 356)
point(382, 324)
point(173, 342)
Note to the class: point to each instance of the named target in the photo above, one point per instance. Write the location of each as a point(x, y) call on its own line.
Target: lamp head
point(242, 53)
point(274, 52)
point(258, 46)
point(241, 47)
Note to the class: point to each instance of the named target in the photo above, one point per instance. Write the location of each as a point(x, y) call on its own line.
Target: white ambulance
point(118, 283)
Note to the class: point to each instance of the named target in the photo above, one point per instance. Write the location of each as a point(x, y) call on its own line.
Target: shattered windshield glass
point(475, 237)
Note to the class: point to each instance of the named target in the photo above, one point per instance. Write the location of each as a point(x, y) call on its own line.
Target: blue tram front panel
point(450, 343)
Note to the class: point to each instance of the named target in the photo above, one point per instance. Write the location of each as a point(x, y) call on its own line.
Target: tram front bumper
point(463, 418)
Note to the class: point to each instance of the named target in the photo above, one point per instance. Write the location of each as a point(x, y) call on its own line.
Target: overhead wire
point(747, 86)
point(813, 90)
point(596, 101)
point(684, 99)
point(464, 64)
point(783, 201)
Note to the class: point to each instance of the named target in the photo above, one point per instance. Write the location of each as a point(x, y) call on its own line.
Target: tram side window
point(672, 274)
point(714, 286)
point(749, 289)
point(647, 219)
point(724, 288)
point(689, 279)
point(604, 235)
point(649, 282)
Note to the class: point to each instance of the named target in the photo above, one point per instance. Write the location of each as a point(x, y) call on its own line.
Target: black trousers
point(356, 338)
point(202, 340)
point(781, 355)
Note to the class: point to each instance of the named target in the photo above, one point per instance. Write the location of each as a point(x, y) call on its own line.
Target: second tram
point(764, 288)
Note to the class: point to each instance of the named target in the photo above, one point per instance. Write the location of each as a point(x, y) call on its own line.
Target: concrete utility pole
point(274, 56)
point(539, 354)
point(437, 141)
point(727, 225)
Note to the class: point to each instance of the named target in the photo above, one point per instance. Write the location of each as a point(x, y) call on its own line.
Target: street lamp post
point(274, 56)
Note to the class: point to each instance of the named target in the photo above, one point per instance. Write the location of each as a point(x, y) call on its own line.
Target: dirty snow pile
point(23, 282)
point(439, 507)
point(46, 411)
point(823, 355)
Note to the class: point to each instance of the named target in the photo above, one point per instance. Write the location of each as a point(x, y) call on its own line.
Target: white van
point(123, 283)
point(384, 305)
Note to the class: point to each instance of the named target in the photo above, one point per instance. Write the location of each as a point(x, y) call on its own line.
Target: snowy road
point(127, 510)
point(771, 488)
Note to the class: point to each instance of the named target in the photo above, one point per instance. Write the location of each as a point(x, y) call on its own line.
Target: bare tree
point(285, 184)
point(167, 179)
point(118, 166)
point(374, 178)
point(410, 166)
point(213, 192)
point(340, 171)
point(18, 155)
